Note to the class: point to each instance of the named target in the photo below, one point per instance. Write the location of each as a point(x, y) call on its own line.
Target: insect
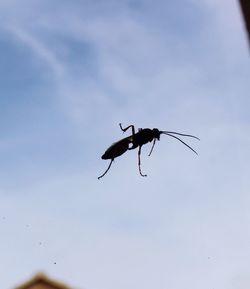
point(139, 139)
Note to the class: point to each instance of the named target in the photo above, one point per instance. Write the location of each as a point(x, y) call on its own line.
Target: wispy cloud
point(38, 50)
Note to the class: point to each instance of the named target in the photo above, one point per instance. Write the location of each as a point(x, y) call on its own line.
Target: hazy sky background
point(70, 72)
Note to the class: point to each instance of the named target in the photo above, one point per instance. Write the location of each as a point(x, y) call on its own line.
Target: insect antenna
point(106, 170)
point(169, 133)
point(182, 134)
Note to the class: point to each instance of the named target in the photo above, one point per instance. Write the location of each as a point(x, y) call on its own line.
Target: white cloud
point(38, 50)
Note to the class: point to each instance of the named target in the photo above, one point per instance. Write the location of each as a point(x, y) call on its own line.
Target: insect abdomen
point(116, 149)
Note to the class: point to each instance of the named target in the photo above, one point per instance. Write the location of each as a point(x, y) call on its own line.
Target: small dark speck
point(54, 263)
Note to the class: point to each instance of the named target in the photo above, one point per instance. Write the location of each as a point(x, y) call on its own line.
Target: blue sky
point(70, 72)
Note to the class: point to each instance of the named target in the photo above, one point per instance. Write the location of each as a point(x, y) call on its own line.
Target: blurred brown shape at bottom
point(41, 281)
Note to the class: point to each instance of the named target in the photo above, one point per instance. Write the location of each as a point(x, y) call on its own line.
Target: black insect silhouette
point(138, 139)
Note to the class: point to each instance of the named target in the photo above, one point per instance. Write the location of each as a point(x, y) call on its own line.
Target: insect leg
point(106, 170)
point(124, 129)
point(139, 162)
point(152, 147)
